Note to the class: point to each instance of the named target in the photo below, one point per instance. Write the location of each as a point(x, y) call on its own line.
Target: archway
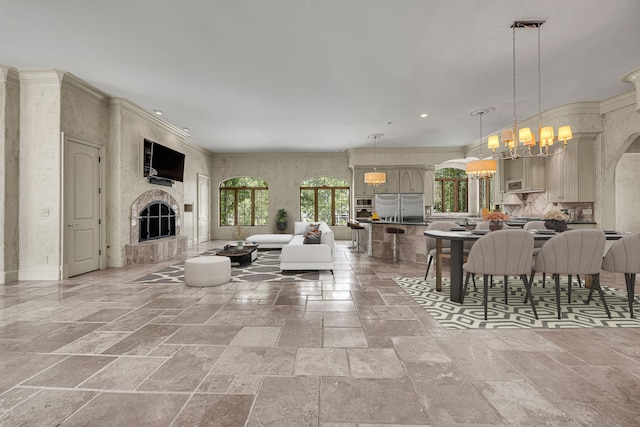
point(627, 182)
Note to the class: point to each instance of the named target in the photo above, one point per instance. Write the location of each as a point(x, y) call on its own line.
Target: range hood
point(520, 186)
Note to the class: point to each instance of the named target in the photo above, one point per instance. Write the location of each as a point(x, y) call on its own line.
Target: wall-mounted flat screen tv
point(162, 162)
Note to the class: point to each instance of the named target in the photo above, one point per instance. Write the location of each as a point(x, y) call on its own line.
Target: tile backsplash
point(536, 204)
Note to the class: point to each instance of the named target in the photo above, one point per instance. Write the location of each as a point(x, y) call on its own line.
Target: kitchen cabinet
point(393, 182)
point(411, 181)
point(571, 176)
point(430, 178)
point(360, 187)
point(523, 175)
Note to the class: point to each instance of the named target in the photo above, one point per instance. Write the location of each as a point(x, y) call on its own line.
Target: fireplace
point(155, 228)
point(157, 220)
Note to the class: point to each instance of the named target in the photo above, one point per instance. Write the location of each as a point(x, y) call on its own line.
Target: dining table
point(458, 238)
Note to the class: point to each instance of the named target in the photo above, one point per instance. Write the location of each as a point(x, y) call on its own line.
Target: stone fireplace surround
point(153, 251)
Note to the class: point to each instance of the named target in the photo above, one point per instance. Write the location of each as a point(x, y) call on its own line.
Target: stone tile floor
point(350, 350)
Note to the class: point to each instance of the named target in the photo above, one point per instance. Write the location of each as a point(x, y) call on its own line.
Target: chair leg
point(428, 266)
point(557, 279)
point(506, 289)
point(544, 279)
point(486, 291)
point(526, 295)
point(596, 282)
point(527, 287)
point(464, 290)
point(569, 289)
point(579, 281)
point(630, 279)
point(473, 278)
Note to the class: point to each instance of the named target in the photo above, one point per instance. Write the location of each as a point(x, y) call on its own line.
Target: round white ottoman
point(207, 271)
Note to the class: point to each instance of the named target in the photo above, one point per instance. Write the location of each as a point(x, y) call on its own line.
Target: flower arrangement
point(555, 216)
point(496, 216)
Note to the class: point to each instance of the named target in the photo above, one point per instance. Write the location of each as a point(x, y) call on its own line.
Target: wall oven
point(364, 202)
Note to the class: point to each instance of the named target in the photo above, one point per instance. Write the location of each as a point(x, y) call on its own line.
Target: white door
point(203, 208)
point(82, 207)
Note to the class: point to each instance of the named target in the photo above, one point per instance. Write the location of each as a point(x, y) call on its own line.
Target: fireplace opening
point(157, 221)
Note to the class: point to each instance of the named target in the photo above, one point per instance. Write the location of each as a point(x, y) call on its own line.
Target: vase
point(555, 225)
point(495, 225)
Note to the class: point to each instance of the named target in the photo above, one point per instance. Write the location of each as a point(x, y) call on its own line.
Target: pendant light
point(375, 178)
point(526, 139)
point(481, 168)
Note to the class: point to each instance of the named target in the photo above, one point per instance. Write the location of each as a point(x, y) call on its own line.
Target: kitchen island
point(412, 245)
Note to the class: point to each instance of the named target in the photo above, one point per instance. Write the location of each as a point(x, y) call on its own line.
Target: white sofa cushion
point(300, 227)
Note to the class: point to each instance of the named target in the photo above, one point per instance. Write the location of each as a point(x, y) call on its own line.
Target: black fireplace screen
point(157, 220)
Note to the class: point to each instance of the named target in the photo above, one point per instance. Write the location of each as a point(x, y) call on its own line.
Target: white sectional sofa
point(297, 255)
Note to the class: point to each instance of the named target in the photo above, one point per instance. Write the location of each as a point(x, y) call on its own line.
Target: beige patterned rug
point(516, 314)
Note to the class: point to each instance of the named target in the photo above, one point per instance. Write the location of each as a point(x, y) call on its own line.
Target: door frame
point(200, 177)
point(102, 229)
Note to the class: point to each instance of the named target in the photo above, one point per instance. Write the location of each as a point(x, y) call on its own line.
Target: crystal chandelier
point(525, 136)
point(375, 178)
point(481, 168)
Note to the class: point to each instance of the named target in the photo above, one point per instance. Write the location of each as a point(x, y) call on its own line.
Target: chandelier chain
point(515, 119)
point(539, 85)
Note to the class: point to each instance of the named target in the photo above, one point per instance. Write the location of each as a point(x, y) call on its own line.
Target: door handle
point(71, 225)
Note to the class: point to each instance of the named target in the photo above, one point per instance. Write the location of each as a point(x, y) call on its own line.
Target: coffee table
point(244, 256)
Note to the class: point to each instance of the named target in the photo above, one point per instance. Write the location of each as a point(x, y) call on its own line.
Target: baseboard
point(8, 276)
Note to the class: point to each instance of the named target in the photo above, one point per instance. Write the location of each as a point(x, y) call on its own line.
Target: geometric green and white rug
point(516, 314)
point(266, 268)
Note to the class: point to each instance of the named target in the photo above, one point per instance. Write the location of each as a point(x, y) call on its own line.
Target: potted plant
point(496, 220)
point(281, 220)
point(555, 220)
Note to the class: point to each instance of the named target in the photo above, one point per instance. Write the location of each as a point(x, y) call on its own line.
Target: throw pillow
point(313, 238)
point(300, 227)
point(314, 227)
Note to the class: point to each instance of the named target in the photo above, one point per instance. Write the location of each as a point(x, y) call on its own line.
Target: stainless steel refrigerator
point(400, 207)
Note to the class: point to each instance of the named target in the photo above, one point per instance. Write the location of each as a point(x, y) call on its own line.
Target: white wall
point(284, 173)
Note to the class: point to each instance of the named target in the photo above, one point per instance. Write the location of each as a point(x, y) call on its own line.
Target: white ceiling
point(320, 75)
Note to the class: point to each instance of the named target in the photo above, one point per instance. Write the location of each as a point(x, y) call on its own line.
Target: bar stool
point(355, 229)
point(353, 234)
point(395, 231)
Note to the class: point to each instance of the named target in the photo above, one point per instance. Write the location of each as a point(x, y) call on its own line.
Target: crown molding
point(80, 87)
point(41, 76)
point(127, 106)
point(617, 102)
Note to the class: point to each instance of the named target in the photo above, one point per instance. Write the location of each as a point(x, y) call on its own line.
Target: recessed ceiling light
point(185, 129)
point(424, 115)
point(158, 112)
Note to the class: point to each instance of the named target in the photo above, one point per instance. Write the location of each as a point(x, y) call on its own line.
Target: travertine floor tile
point(129, 409)
point(347, 350)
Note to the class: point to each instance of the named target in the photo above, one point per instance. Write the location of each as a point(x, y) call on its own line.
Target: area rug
point(266, 268)
point(516, 314)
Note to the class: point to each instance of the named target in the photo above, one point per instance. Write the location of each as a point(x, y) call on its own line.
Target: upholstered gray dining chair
point(503, 253)
point(446, 244)
point(572, 252)
point(537, 225)
point(624, 257)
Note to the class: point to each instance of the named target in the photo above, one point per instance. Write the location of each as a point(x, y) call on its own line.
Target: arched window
point(450, 192)
point(325, 199)
point(244, 201)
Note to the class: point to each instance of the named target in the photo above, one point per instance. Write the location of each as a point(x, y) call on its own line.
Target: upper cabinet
point(360, 187)
point(411, 181)
point(571, 176)
point(405, 180)
point(522, 175)
point(393, 182)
